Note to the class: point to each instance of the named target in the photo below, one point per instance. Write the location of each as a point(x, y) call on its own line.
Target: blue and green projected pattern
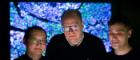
point(47, 15)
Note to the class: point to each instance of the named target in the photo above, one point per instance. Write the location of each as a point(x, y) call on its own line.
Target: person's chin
point(73, 40)
point(115, 46)
point(37, 53)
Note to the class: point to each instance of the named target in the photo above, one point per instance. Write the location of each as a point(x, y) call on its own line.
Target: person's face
point(72, 29)
point(37, 42)
point(119, 35)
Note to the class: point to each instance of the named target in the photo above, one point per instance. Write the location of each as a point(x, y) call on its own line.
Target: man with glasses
point(35, 42)
point(74, 44)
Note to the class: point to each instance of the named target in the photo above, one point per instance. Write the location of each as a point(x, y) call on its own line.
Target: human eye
point(34, 41)
point(43, 41)
point(120, 33)
point(66, 29)
point(110, 33)
point(74, 27)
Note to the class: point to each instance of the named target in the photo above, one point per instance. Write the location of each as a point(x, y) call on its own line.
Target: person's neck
point(123, 50)
point(81, 39)
point(34, 57)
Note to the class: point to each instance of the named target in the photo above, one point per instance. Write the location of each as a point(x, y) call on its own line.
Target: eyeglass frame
point(73, 27)
point(38, 42)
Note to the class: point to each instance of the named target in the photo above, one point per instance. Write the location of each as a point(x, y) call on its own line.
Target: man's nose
point(39, 43)
point(71, 30)
point(114, 36)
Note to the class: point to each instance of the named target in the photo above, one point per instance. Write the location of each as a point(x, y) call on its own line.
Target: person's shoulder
point(43, 58)
point(136, 51)
point(59, 36)
point(94, 40)
point(91, 36)
point(22, 57)
point(111, 53)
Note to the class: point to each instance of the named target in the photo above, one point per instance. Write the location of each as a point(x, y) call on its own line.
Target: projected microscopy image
point(47, 15)
point(17, 46)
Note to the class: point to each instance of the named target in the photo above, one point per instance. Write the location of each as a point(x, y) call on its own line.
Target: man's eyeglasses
point(41, 42)
point(70, 28)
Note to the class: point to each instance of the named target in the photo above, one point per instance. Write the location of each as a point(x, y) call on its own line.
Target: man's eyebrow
point(122, 30)
point(118, 30)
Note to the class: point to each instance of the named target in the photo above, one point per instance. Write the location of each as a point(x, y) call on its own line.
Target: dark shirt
point(26, 57)
point(134, 54)
point(91, 48)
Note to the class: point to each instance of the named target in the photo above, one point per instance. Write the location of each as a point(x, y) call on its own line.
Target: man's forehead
point(72, 19)
point(37, 32)
point(71, 24)
point(37, 38)
point(118, 26)
point(117, 30)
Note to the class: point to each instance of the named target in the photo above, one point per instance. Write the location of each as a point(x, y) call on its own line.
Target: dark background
point(131, 10)
point(128, 8)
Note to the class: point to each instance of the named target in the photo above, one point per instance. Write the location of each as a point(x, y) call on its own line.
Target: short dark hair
point(71, 13)
point(120, 20)
point(124, 21)
point(28, 32)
